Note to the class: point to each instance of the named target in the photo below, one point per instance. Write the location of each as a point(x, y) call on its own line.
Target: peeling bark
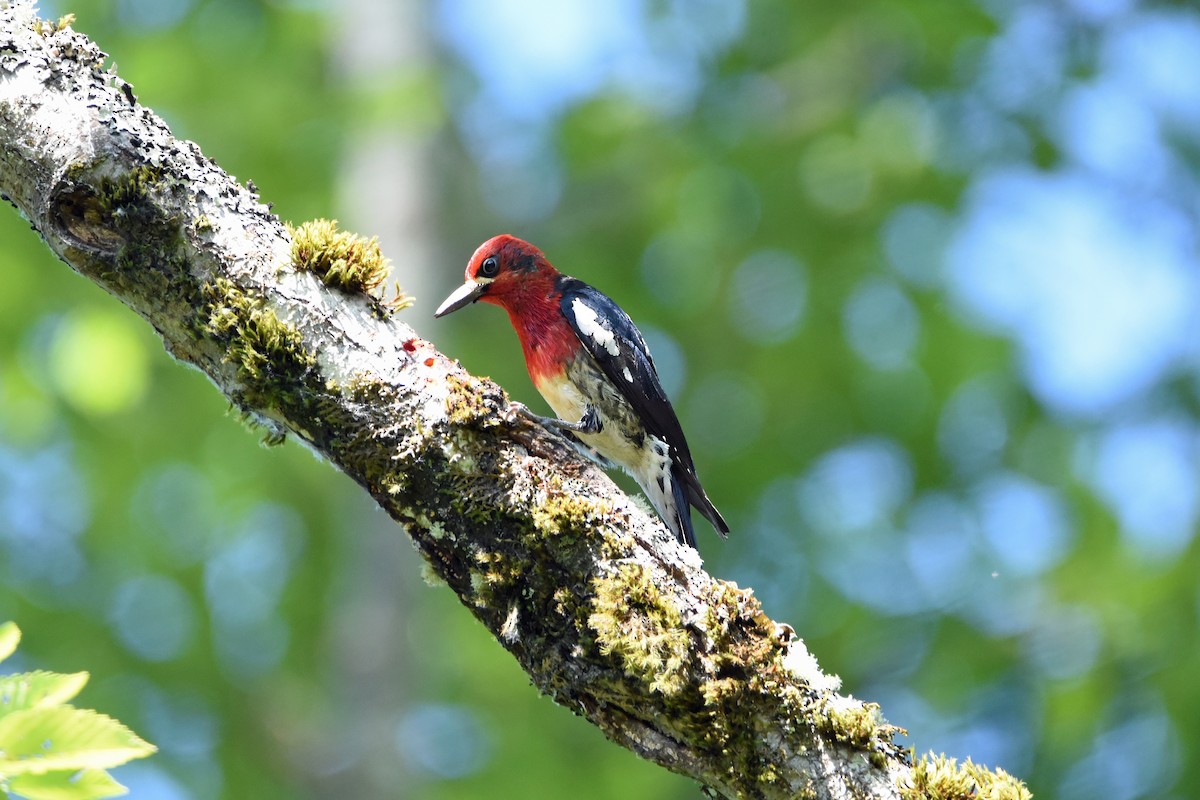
point(598, 603)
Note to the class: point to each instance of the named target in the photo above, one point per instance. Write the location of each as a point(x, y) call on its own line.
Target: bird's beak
point(464, 295)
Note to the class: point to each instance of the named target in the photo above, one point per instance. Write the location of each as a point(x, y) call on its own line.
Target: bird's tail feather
point(682, 522)
point(705, 506)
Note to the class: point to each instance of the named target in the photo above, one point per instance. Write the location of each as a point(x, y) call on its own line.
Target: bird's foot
point(523, 410)
point(590, 423)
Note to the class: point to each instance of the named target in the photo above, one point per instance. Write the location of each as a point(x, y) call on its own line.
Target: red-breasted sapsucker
point(592, 365)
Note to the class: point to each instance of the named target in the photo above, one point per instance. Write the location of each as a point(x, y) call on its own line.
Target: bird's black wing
point(611, 338)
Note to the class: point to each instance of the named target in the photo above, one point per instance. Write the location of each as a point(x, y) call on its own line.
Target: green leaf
point(88, 784)
point(38, 689)
point(39, 740)
point(10, 637)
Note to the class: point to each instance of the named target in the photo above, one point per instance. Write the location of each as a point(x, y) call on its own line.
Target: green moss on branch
point(636, 621)
point(936, 777)
point(269, 355)
point(342, 260)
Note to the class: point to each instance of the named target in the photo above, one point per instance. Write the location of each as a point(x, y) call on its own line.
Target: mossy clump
point(637, 622)
point(559, 511)
point(46, 28)
point(269, 354)
point(132, 188)
point(118, 215)
point(743, 650)
point(467, 402)
point(133, 244)
point(855, 723)
point(495, 575)
point(747, 677)
point(342, 260)
point(936, 777)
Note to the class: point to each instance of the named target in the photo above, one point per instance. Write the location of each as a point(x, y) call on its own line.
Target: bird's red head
point(516, 276)
point(507, 272)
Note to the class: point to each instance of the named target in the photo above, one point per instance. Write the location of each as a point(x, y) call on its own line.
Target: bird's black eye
point(489, 267)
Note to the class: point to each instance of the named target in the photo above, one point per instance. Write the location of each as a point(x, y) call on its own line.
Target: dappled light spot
point(182, 725)
point(98, 361)
point(152, 15)
point(1064, 642)
point(244, 582)
point(1054, 261)
point(995, 726)
point(860, 485)
point(1157, 55)
point(973, 429)
point(942, 547)
point(915, 236)
point(45, 506)
point(443, 740)
point(1003, 604)
point(778, 567)
point(1146, 472)
point(836, 175)
point(176, 506)
point(899, 132)
point(1101, 10)
point(151, 781)
point(978, 136)
point(1025, 523)
point(244, 579)
point(992, 724)
point(576, 47)
point(669, 265)
point(583, 48)
point(1023, 68)
point(724, 414)
point(153, 617)
point(1108, 129)
point(1137, 757)
point(881, 323)
point(868, 569)
point(768, 295)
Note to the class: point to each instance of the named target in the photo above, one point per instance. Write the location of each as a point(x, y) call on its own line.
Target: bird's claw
point(524, 411)
point(590, 423)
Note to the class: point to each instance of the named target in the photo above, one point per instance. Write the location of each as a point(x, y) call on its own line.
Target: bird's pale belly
point(621, 438)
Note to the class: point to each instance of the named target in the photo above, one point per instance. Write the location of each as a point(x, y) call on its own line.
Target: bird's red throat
point(547, 339)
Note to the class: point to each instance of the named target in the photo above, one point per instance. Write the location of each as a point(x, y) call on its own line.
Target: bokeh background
point(922, 278)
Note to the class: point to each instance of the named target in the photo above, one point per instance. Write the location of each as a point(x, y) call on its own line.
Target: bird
point(592, 366)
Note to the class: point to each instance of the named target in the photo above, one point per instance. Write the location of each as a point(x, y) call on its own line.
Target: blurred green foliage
point(249, 612)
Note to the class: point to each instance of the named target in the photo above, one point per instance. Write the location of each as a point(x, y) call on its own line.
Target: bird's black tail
point(683, 512)
point(700, 500)
point(687, 493)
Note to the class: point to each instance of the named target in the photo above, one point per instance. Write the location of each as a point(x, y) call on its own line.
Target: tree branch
point(605, 611)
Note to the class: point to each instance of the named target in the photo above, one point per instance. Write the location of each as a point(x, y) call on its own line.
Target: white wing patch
point(628, 376)
point(591, 326)
point(653, 474)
